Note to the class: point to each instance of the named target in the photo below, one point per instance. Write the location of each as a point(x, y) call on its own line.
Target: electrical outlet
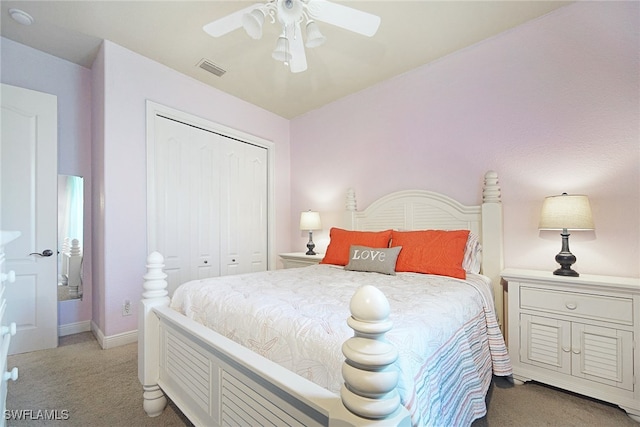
point(126, 308)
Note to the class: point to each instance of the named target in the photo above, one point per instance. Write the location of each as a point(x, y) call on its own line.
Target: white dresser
point(7, 330)
point(576, 333)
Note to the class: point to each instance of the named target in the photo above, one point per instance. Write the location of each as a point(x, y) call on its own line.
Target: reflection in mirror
point(70, 238)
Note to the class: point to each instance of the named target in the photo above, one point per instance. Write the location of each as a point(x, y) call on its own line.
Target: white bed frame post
point(492, 240)
point(73, 260)
point(64, 268)
point(154, 295)
point(370, 376)
point(351, 207)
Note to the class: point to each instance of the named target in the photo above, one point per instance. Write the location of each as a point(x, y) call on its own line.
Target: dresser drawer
point(596, 307)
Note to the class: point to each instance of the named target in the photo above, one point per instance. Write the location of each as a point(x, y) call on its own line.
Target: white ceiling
point(411, 33)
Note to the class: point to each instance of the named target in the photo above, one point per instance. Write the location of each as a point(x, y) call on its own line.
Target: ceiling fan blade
point(345, 17)
point(228, 23)
point(298, 61)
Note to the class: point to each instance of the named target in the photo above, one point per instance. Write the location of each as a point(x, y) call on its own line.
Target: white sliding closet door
point(210, 212)
point(244, 208)
point(187, 194)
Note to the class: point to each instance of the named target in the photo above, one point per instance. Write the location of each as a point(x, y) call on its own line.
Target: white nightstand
point(576, 333)
point(300, 259)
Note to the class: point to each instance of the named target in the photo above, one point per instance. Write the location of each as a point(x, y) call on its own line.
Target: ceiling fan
point(291, 14)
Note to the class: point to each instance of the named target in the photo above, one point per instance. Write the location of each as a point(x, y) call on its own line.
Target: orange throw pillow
point(341, 240)
point(431, 251)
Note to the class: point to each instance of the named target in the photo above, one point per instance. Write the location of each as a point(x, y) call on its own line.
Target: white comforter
point(444, 328)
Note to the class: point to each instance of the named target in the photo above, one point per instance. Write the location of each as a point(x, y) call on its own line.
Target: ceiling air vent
point(211, 67)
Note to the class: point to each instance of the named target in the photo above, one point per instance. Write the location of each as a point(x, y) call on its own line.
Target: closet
point(208, 198)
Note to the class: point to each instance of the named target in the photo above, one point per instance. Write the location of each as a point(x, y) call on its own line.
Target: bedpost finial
point(66, 244)
point(351, 200)
point(369, 304)
point(155, 285)
point(155, 257)
point(74, 249)
point(491, 191)
point(369, 372)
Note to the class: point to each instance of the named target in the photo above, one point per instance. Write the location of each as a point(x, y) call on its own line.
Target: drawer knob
point(571, 305)
point(11, 329)
point(10, 375)
point(8, 277)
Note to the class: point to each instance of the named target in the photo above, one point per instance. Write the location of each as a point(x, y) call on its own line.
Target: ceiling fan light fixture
point(314, 36)
point(290, 12)
point(291, 15)
point(282, 52)
point(252, 23)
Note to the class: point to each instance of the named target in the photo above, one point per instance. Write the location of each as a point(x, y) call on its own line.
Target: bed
point(367, 370)
point(70, 272)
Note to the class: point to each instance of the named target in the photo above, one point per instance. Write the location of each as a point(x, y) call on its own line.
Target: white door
point(243, 216)
point(186, 218)
point(29, 168)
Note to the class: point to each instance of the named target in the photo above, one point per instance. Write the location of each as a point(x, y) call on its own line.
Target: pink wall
point(29, 68)
point(129, 80)
point(552, 106)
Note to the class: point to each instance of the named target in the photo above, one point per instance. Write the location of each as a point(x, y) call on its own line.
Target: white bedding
point(444, 328)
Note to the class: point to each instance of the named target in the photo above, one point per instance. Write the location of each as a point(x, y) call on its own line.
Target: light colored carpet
point(100, 388)
point(97, 387)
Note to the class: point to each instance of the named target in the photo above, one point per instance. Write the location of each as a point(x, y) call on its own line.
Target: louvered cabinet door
point(604, 355)
point(545, 342)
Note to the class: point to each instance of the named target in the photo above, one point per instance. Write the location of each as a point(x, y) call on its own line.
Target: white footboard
point(215, 381)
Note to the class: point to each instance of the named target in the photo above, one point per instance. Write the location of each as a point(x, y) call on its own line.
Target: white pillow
point(472, 254)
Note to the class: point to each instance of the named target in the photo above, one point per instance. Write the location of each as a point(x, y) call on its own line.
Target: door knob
point(45, 253)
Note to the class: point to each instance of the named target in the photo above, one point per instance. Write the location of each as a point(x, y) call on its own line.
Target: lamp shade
point(310, 221)
point(252, 23)
point(282, 53)
point(314, 36)
point(566, 211)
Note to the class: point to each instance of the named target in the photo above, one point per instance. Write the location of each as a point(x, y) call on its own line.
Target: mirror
point(70, 236)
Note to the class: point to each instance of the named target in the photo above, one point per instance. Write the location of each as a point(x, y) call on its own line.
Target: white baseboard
point(74, 328)
point(113, 340)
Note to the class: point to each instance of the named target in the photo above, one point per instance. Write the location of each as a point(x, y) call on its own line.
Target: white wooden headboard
point(424, 210)
point(416, 210)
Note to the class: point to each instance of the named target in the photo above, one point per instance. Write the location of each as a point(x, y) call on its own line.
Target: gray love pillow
point(376, 260)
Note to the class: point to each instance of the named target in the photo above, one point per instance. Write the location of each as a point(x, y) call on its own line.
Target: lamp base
point(310, 245)
point(565, 258)
point(566, 271)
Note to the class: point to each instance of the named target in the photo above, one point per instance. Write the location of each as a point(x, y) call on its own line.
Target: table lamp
point(566, 212)
point(310, 221)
